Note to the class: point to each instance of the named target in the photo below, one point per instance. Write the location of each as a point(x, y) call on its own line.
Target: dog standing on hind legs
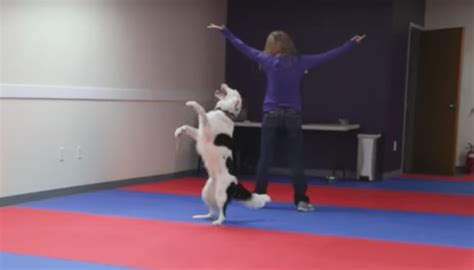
point(214, 143)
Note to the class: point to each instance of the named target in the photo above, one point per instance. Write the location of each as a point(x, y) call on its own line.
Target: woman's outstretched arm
point(310, 61)
point(248, 51)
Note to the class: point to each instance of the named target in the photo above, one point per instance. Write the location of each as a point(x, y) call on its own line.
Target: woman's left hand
point(358, 38)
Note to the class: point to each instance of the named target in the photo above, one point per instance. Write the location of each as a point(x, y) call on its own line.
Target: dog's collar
point(227, 113)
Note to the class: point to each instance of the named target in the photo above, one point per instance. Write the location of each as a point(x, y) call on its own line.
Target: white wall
point(140, 46)
point(459, 13)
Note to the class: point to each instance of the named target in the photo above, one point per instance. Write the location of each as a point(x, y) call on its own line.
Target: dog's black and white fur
point(214, 144)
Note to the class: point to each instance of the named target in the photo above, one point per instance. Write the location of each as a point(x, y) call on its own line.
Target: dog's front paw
point(191, 103)
point(179, 131)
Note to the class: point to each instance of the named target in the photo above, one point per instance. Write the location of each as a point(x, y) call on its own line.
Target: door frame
point(407, 79)
point(411, 26)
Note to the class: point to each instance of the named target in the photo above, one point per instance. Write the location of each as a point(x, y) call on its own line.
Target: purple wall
point(365, 86)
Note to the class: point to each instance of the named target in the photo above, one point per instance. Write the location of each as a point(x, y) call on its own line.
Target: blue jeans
point(289, 121)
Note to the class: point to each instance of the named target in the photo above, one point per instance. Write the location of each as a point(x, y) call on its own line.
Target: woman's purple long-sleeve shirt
point(284, 73)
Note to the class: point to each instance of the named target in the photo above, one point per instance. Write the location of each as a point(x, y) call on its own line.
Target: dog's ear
point(237, 106)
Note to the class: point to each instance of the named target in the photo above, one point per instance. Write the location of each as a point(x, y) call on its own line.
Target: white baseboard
point(314, 172)
point(337, 173)
point(26, 91)
point(392, 174)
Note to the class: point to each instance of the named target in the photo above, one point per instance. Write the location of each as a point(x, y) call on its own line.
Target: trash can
point(367, 155)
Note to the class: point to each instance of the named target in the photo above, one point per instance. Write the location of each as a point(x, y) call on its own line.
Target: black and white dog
point(214, 144)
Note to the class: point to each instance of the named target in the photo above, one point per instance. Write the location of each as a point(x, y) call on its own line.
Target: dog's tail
point(242, 195)
point(257, 201)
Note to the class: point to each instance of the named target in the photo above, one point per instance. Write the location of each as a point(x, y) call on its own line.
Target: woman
point(282, 106)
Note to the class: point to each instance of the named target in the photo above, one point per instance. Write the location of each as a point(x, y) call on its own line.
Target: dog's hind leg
point(211, 215)
point(220, 219)
point(188, 130)
point(222, 199)
point(207, 197)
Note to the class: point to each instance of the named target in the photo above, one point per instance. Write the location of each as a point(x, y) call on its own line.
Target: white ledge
point(24, 91)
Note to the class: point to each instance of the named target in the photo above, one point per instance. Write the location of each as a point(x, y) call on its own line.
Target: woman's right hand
point(217, 27)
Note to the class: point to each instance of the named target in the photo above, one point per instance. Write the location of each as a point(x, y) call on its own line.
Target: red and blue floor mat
point(395, 224)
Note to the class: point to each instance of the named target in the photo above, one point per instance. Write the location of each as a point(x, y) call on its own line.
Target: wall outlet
point(394, 146)
point(61, 154)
